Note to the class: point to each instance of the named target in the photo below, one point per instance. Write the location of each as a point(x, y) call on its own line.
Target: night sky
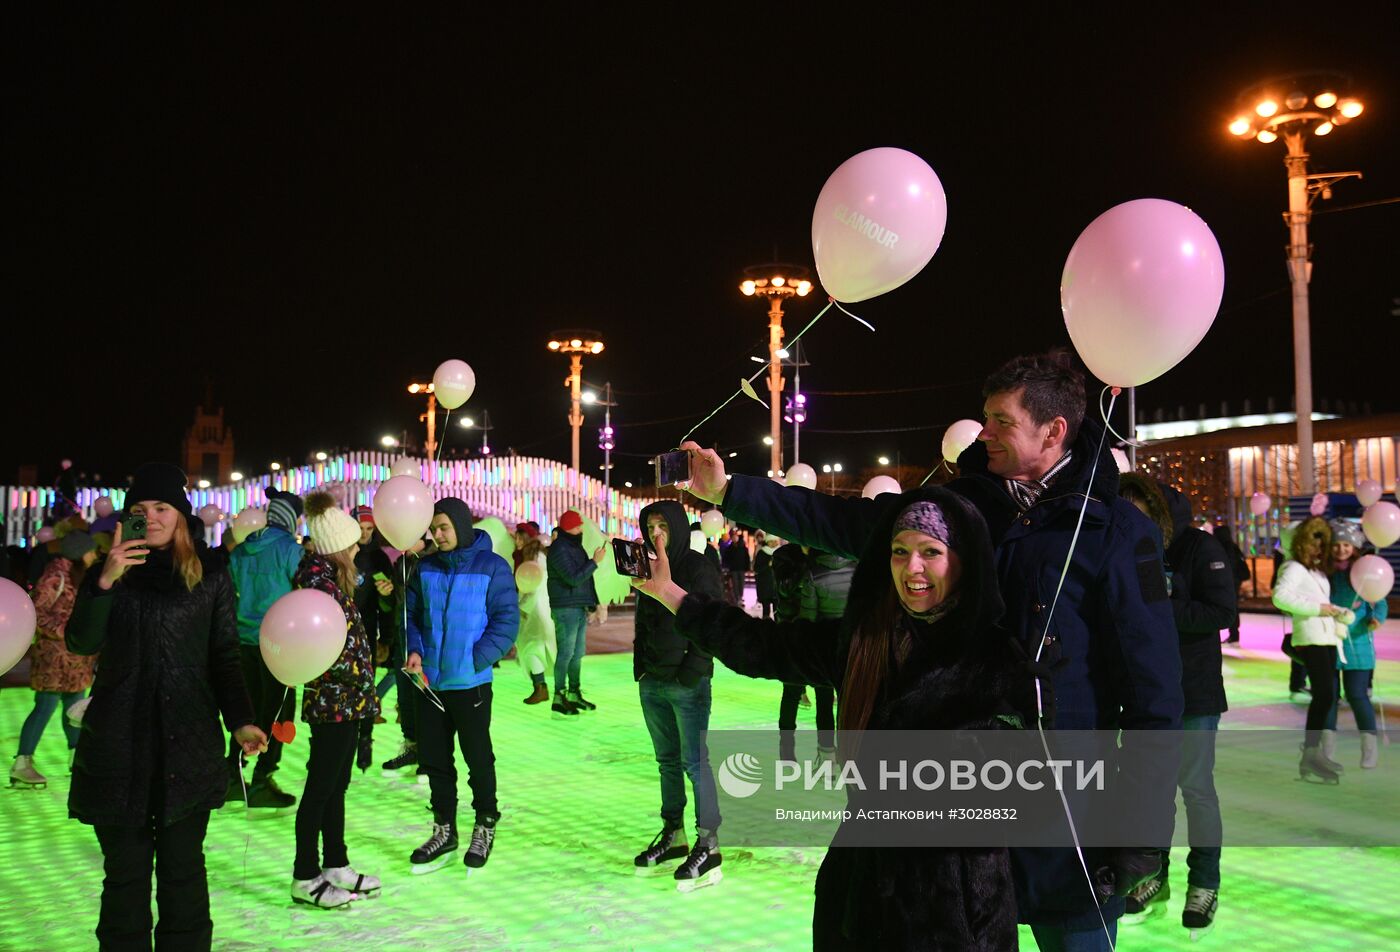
point(306, 214)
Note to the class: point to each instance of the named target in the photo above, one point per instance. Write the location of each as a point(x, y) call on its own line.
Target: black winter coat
point(151, 745)
point(658, 650)
point(1205, 602)
point(1114, 621)
point(570, 573)
point(765, 588)
point(959, 675)
point(376, 611)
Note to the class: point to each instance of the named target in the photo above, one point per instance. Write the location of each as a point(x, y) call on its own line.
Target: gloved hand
point(1043, 670)
point(1126, 869)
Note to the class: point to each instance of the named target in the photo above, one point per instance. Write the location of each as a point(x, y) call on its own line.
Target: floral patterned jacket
point(52, 666)
point(346, 691)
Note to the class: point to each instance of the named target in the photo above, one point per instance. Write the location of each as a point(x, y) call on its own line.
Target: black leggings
point(1321, 662)
point(321, 813)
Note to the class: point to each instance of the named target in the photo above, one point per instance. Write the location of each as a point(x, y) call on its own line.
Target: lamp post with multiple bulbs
point(606, 443)
point(833, 469)
point(1293, 107)
point(430, 417)
point(777, 283)
point(484, 426)
point(576, 343)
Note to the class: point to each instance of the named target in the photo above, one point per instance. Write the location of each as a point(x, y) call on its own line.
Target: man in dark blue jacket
point(463, 616)
point(1035, 462)
point(572, 597)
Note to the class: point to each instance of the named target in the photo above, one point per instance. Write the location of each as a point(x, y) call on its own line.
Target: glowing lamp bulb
point(1325, 100)
point(1266, 108)
point(748, 287)
point(1352, 108)
point(1323, 129)
point(778, 281)
point(1266, 136)
point(1240, 127)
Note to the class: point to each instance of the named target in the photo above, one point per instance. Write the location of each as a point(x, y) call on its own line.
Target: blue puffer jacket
point(463, 613)
point(1114, 622)
point(262, 568)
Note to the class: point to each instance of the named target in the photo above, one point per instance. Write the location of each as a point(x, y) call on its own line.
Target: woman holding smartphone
point(150, 763)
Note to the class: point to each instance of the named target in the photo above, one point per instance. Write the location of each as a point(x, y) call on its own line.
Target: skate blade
point(433, 865)
point(1198, 934)
point(665, 866)
point(314, 905)
point(712, 878)
point(21, 785)
point(1153, 911)
point(1322, 781)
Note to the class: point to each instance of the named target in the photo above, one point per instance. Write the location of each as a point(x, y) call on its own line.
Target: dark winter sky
point(310, 213)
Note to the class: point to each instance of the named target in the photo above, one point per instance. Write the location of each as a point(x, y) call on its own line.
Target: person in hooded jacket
point(918, 648)
point(1357, 663)
point(262, 569)
point(463, 617)
point(765, 589)
point(1204, 603)
point(150, 763)
point(673, 680)
point(374, 597)
point(1038, 462)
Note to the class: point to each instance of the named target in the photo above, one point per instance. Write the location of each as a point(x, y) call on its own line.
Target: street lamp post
point(576, 343)
point(833, 469)
point(776, 282)
point(430, 417)
point(468, 423)
point(1292, 107)
point(606, 444)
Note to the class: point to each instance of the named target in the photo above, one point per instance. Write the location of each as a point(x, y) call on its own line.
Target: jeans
point(182, 888)
point(1355, 684)
point(1060, 939)
point(826, 718)
point(45, 702)
point(570, 632)
point(1321, 662)
point(321, 812)
point(1197, 782)
point(677, 717)
point(267, 695)
point(467, 719)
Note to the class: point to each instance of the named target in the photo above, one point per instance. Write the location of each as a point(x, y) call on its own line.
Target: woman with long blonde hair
point(150, 763)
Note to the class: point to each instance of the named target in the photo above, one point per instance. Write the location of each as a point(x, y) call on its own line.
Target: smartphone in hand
point(631, 559)
point(672, 468)
point(133, 526)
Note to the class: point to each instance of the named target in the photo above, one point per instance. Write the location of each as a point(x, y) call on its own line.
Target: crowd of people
point(927, 610)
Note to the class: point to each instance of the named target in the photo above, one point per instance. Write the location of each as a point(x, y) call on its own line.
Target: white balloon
point(529, 577)
point(1372, 577)
point(959, 437)
point(406, 466)
point(881, 484)
point(403, 508)
point(453, 383)
point(697, 540)
point(800, 474)
point(712, 523)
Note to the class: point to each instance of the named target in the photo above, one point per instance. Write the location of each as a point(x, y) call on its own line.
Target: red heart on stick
point(284, 731)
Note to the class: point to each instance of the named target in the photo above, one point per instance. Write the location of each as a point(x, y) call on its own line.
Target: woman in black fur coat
point(918, 649)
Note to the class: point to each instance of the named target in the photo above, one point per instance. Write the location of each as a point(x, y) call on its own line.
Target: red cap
point(529, 528)
point(570, 521)
point(364, 514)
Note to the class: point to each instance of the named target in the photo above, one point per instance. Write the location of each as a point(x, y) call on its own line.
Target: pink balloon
point(46, 535)
point(528, 577)
point(210, 515)
point(406, 466)
point(878, 221)
point(1381, 523)
point(959, 437)
point(453, 383)
point(1259, 503)
point(1368, 492)
point(248, 521)
point(403, 508)
point(301, 635)
point(1140, 288)
point(16, 624)
point(102, 505)
point(1319, 504)
point(879, 485)
point(1372, 577)
point(800, 474)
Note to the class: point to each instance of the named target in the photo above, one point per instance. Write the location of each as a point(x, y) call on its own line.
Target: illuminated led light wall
point(513, 489)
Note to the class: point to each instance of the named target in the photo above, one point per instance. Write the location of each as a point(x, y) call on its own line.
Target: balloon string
point(441, 443)
point(854, 317)
point(1109, 426)
point(758, 373)
point(941, 463)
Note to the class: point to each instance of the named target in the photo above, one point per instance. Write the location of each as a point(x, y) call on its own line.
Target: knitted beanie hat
point(332, 528)
point(160, 482)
